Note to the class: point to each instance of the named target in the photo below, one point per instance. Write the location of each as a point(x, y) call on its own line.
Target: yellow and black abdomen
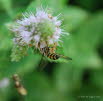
point(53, 56)
point(46, 52)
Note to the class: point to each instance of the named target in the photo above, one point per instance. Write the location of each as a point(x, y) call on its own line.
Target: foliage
point(58, 81)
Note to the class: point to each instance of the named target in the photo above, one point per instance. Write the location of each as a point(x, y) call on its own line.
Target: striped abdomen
point(53, 56)
point(46, 51)
point(50, 53)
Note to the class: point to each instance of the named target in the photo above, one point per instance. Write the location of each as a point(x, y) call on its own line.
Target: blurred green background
point(78, 80)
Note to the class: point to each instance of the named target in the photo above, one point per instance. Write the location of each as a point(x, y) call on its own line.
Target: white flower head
point(39, 29)
point(4, 83)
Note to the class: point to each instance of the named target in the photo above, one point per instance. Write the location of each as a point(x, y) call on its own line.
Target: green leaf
point(74, 17)
point(96, 78)
point(82, 44)
point(67, 77)
point(50, 4)
point(40, 88)
point(7, 5)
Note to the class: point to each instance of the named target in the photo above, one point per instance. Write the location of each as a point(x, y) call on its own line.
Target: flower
point(39, 30)
point(4, 83)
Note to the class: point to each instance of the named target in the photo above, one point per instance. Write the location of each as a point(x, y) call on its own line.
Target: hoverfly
point(51, 54)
